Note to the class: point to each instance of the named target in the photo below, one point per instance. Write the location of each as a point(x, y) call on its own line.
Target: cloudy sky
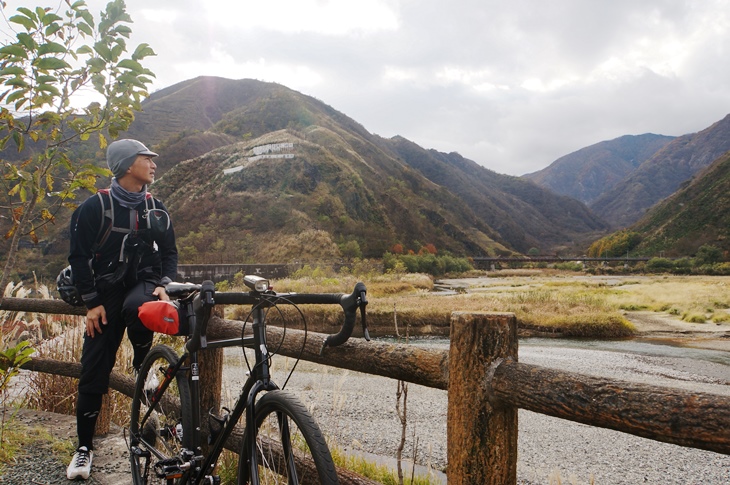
point(511, 85)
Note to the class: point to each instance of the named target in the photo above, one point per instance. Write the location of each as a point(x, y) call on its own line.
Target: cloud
point(512, 85)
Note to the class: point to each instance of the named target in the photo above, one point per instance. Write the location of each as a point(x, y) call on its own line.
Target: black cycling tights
point(87, 410)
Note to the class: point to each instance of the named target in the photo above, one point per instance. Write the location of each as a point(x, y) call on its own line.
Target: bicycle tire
point(311, 458)
point(169, 428)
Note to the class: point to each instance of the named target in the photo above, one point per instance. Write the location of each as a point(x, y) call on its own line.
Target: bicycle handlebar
point(208, 297)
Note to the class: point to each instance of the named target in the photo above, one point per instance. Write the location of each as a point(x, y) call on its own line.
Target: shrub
point(425, 263)
point(694, 318)
point(569, 266)
point(708, 254)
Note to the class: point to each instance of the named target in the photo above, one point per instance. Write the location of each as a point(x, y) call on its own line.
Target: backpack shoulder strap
point(107, 212)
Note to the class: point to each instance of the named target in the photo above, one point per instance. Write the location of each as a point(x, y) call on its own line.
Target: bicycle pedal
point(169, 469)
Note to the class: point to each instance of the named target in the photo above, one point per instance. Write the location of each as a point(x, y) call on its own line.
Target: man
point(115, 277)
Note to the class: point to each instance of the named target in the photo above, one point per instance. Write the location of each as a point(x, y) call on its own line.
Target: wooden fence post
point(481, 433)
point(211, 373)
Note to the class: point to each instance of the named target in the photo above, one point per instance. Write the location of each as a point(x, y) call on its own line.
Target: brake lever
point(362, 304)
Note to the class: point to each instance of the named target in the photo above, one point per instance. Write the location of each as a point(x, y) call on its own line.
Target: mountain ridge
point(589, 172)
point(662, 174)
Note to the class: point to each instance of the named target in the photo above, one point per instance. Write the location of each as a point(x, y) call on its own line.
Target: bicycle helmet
point(66, 288)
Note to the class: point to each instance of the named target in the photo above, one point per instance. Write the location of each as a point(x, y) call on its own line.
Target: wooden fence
point(486, 385)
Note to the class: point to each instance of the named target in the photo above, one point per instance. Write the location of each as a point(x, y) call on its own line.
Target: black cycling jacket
point(87, 263)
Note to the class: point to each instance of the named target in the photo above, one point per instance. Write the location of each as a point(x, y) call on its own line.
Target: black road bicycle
point(282, 443)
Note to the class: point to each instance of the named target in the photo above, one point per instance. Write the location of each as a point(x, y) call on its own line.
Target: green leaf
point(50, 63)
point(142, 51)
point(19, 141)
point(118, 50)
point(145, 80)
point(15, 50)
point(16, 95)
point(131, 65)
point(96, 64)
point(24, 21)
point(51, 48)
point(98, 81)
point(52, 29)
point(84, 27)
point(85, 49)
point(16, 81)
point(19, 104)
point(48, 89)
point(50, 18)
point(123, 30)
point(12, 71)
point(131, 79)
point(45, 79)
point(27, 41)
point(103, 50)
point(86, 15)
point(29, 13)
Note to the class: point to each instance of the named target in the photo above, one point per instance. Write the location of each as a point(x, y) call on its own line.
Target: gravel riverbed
point(358, 411)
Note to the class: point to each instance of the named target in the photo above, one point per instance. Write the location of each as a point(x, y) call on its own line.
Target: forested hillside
point(661, 175)
point(696, 215)
point(588, 173)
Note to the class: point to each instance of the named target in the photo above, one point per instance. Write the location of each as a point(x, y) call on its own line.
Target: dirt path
point(110, 466)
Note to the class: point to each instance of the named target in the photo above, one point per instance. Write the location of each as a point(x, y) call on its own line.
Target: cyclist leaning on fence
point(114, 279)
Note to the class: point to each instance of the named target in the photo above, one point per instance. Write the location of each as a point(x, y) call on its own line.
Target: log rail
point(486, 385)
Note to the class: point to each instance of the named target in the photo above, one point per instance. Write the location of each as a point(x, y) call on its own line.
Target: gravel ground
point(40, 465)
point(358, 410)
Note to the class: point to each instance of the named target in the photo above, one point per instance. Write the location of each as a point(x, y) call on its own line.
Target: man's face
point(143, 170)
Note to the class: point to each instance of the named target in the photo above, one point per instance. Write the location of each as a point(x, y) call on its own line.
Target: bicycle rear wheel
point(289, 444)
point(160, 430)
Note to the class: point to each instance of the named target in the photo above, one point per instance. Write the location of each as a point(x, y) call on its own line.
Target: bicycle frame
point(258, 381)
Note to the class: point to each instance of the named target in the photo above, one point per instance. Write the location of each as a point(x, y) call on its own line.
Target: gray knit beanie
point(121, 154)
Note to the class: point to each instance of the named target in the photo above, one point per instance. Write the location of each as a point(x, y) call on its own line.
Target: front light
point(256, 283)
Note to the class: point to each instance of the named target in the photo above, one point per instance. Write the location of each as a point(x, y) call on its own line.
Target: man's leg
point(98, 356)
point(139, 335)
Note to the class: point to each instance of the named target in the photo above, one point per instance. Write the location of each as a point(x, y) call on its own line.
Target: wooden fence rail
point(486, 385)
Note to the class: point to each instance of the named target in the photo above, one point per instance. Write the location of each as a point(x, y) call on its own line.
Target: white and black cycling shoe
point(80, 466)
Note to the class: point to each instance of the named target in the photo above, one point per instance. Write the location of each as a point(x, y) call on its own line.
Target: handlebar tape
point(350, 303)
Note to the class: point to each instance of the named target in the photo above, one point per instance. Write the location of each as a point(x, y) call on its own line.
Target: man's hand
point(95, 318)
point(161, 293)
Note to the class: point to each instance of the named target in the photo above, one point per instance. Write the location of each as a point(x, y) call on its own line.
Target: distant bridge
point(482, 262)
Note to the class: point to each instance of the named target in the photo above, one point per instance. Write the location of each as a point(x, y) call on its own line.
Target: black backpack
point(65, 280)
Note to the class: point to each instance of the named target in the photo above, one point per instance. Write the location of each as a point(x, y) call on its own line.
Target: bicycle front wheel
point(160, 429)
point(290, 447)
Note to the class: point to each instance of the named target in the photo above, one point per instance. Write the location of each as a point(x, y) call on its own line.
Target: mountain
point(589, 172)
point(522, 213)
point(342, 179)
point(306, 200)
point(697, 214)
point(662, 174)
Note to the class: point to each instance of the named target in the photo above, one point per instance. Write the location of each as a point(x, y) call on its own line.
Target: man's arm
point(168, 250)
point(84, 230)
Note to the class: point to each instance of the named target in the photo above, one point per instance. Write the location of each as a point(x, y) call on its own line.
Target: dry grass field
point(546, 301)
